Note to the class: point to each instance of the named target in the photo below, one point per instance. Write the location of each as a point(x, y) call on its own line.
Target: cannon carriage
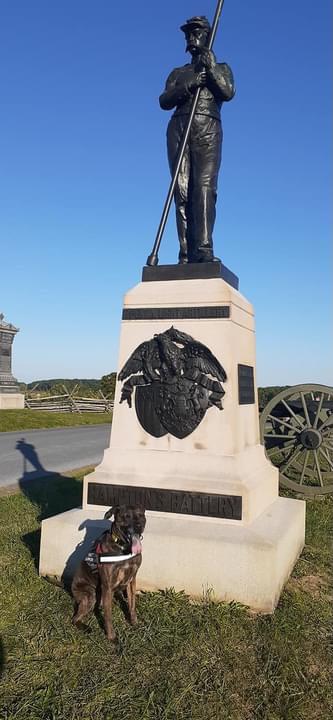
point(296, 429)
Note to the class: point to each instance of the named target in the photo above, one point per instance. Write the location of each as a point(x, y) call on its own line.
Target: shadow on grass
point(2, 657)
point(56, 494)
point(52, 494)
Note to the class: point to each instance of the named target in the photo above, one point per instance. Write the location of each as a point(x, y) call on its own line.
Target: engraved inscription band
point(162, 500)
point(177, 313)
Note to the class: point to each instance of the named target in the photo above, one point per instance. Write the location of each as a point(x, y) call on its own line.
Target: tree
point(265, 394)
point(108, 384)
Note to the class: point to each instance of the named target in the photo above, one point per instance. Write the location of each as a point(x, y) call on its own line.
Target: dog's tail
point(54, 580)
point(64, 583)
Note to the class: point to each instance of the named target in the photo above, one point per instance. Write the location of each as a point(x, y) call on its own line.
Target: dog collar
point(119, 538)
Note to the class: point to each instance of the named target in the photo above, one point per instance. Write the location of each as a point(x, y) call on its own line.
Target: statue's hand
point(207, 58)
point(199, 80)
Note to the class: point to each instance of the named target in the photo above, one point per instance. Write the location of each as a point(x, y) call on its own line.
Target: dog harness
point(96, 556)
point(106, 558)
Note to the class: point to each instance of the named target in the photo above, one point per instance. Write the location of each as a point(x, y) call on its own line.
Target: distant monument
point(10, 395)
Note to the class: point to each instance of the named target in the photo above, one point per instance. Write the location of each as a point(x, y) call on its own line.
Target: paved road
point(29, 453)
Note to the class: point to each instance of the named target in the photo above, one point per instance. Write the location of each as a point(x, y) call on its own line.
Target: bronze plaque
point(246, 385)
point(174, 501)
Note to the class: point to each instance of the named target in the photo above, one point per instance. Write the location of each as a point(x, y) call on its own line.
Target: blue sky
point(84, 174)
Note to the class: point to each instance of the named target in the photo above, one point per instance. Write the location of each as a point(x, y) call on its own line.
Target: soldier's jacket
point(220, 88)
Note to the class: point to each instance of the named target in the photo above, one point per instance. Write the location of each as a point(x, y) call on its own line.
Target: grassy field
point(11, 420)
point(184, 661)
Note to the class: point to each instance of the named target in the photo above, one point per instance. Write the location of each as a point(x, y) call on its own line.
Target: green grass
point(184, 661)
point(11, 420)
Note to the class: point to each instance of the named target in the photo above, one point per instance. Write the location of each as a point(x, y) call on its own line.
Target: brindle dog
point(93, 576)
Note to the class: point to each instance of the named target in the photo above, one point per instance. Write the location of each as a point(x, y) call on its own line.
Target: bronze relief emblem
point(176, 379)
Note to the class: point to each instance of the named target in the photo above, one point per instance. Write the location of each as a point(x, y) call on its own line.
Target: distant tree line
point(107, 384)
point(84, 387)
point(70, 384)
point(265, 394)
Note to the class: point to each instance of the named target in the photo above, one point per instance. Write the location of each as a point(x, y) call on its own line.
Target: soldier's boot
point(183, 256)
point(204, 200)
point(182, 233)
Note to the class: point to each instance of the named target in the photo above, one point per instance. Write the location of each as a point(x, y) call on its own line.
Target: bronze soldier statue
point(196, 187)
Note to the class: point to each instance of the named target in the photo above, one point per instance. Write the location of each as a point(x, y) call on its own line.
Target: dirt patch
point(316, 585)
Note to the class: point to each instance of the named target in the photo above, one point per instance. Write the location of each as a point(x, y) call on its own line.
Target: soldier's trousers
point(196, 188)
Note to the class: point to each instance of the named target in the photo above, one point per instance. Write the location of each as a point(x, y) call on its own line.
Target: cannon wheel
point(296, 429)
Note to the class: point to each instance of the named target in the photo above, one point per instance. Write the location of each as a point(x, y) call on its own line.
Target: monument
point(185, 431)
point(10, 396)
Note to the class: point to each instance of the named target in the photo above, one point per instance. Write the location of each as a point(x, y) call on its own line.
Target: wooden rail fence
point(68, 402)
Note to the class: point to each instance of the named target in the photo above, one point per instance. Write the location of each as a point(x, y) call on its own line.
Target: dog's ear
point(110, 512)
point(141, 508)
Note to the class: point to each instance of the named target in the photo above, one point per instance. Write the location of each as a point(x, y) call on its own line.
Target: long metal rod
point(153, 257)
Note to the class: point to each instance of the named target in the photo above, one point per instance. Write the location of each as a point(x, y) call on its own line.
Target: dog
point(112, 564)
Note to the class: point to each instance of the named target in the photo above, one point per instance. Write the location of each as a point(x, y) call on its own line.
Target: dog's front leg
point(131, 596)
point(107, 597)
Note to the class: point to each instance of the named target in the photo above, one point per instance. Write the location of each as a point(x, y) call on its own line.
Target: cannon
point(296, 429)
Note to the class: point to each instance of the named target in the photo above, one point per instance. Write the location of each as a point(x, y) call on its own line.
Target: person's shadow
point(30, 456)
point(52, 495)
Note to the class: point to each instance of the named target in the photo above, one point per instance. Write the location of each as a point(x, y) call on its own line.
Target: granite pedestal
point(214, 516)
point(11, 401)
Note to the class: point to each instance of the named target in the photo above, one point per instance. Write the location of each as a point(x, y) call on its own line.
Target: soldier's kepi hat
point(199, 21)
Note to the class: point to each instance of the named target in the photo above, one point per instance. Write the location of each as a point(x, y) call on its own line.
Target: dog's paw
point(112, 637)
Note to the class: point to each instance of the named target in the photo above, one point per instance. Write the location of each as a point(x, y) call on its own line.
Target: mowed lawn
point(11, 420)
point(184, 661)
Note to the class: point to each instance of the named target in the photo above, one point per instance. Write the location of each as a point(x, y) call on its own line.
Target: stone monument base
point(214, 518)
point(249, 564)
point(11, 401)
